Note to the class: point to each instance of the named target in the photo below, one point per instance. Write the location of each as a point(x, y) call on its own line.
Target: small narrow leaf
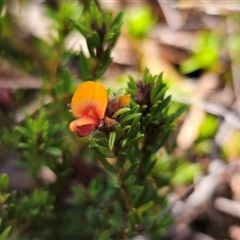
point(147, 119)
point(121, 158)
point(132, 82)
point(96, 39)
point(115, 223)
point(84, 69)
point(133, 132)
point(118, 131)
point(118, 21)
point(131, 219)
point(5, 234)
point(24, 131)
point(56, 152)
point(145, 206)
point(82, 28)
point(131, 170)
point(133, 141)
point(152, 225)
point(107, 165)
point(126, 128)
point(102, 142)
point(163, 104)
point(160, 95)
point(106, 235)
point(128, 118)
point(111, 141)
point(4, 182)
point(120, 112)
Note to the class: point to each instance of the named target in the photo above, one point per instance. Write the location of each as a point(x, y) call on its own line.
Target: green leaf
point(160, 143)
point(4, 182)
point(90, 47)
point(24, 145)
point(147, 119)
point(108, 37)
point(138, 196)
point(179, 112)
point(120, 112)
point(131, 170)
point(106, 164)
point(82, 28)
point(130, 117)
point(153, 224)
point(115, 223)
point(135, 126)
point(111, 141)
point(104, 151)
point(134, 130)
point(121, 159)
point(126, 128)
point(137, 215)
point(118, 131)
point(117, 210)
point(99, 135)
point(163, 104)
point(102, 142)
point(145, 206)
point(84, 69)
point(56, 152)
point(159, 80)
point(24, 131)
point(118, 21)
point(132, 86)
point(96, 40)
point(133, 141)
point(12, 211)
point(106, 60)
point(106, 235)
point(154, 107)
point(160, 95)
point(103, 67)
point(131, 219)
point(135, 109)
point(153, 93)
point(93, 42)
point(136, 122)
point(5, 234)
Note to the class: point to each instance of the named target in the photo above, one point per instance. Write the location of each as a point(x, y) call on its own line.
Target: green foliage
point(101, 34)
point(4, 233)
point(42, 145)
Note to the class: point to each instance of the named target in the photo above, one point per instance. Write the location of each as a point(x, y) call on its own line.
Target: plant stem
point(125, 192)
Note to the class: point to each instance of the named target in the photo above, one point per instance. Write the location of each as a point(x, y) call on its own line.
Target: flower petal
point(84, 126)
point(124, 100)
point(90, 99)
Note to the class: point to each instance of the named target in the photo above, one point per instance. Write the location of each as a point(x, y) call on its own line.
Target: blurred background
point(196, 44)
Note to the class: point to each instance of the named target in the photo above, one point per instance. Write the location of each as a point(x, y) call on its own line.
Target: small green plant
point(130, 133)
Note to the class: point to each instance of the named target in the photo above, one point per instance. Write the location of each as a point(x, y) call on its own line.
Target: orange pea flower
point(89, 104)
